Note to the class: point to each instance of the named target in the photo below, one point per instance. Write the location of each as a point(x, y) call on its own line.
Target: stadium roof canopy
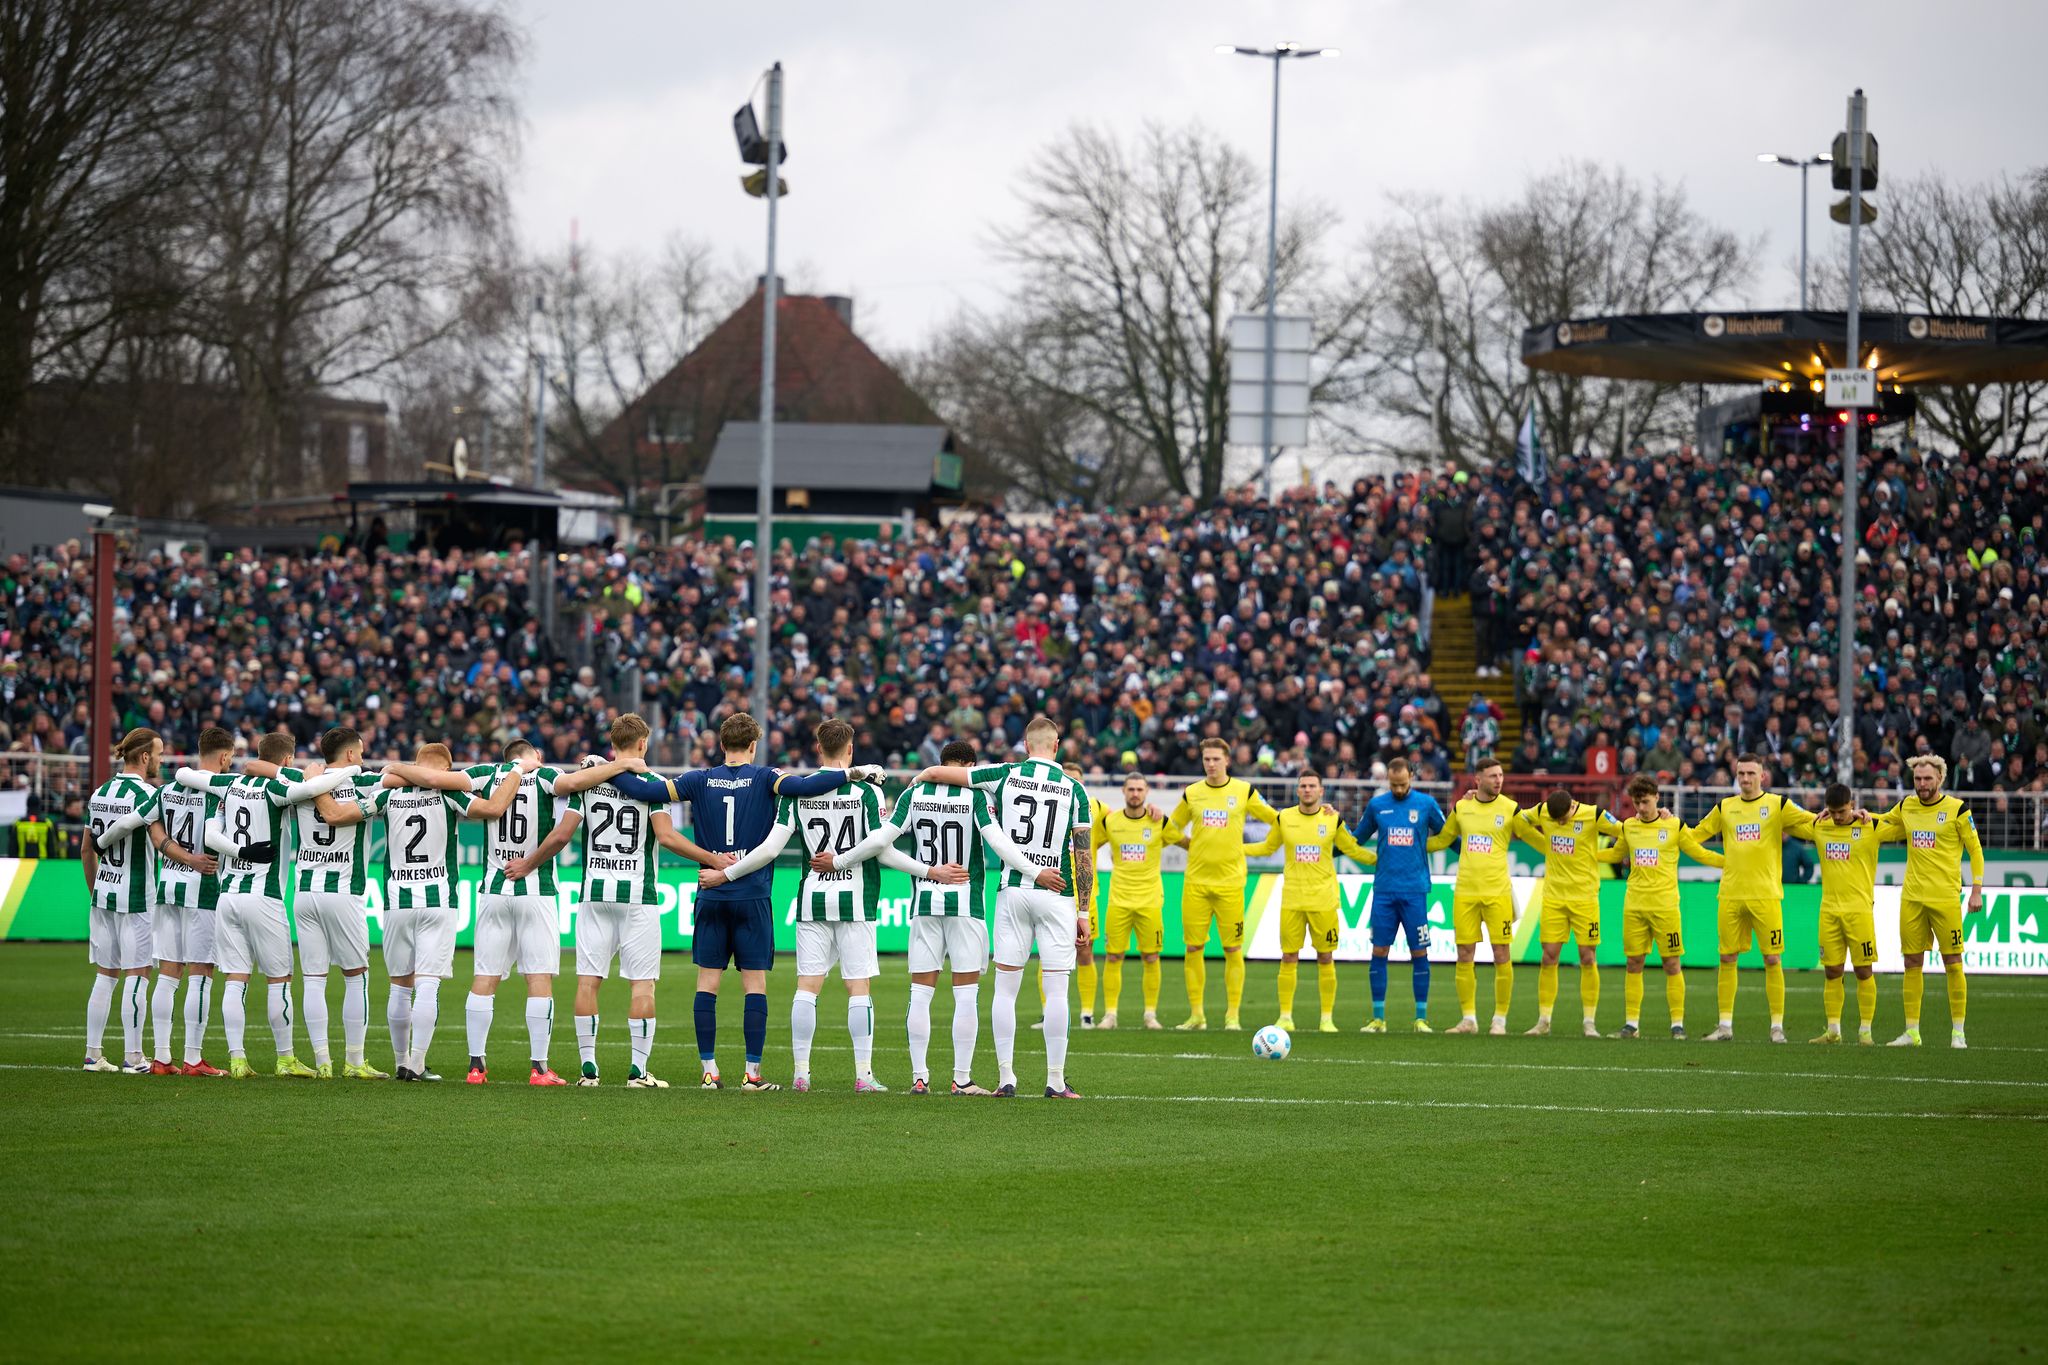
point(1747, 347)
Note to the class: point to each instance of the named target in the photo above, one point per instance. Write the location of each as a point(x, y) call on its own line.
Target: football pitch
point(1457, 1198)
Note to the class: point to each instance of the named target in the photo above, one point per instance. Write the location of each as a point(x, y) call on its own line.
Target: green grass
point(1459, 1198)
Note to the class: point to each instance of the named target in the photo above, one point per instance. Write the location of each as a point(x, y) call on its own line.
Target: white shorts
point(185, 933)
point(333, 932)
point(120, 942)
point(630, 933)
point(938, 939)
point(850, 944)
point(420, 942)
point(1024, 913)
point(254, 937)
point(520, 931)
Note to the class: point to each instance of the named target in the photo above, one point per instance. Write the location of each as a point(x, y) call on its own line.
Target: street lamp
point(1804, 166)
point(1277, 54)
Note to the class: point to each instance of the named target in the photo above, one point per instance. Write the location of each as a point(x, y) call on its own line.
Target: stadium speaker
point(1840, 212)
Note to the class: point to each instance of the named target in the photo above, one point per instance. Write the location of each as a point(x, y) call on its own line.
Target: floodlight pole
point(1272, 283)
point(1846, 685)
point(764, 504)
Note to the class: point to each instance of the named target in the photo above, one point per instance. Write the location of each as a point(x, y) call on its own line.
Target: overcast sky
point(907, 123)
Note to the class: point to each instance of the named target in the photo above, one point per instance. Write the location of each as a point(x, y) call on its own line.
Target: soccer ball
point(1272, 1043)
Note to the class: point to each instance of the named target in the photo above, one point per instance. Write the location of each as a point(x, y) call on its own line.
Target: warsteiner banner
point(46, 901)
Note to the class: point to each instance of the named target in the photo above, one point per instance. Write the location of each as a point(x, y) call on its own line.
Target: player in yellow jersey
point(1752, 826)
point(1211, 815)
point(1482, 824)
point(1939, 831)
point(1136, 836)
point(1568, 832)
point(1312, 837)
point(1649, 847)
point(1848, 840)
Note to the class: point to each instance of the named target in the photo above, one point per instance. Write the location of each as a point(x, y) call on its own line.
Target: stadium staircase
point(1454, 668)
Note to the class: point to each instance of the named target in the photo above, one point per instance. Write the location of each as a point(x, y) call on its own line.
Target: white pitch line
point(1619, 1070)
point(1572, 1108)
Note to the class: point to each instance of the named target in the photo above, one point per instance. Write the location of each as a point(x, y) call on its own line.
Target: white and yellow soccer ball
point(1272, 1044)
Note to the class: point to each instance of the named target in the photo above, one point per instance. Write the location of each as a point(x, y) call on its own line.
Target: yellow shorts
point(1765, 920)
point(1319, 927)
point(1930, 926)
point(1643, 929)
point(1851, 935)
point(1468, 914)
point(1200, 904)
point(1562, 919)
point(1123, 923)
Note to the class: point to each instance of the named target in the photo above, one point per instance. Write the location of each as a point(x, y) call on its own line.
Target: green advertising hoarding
point(46, 901)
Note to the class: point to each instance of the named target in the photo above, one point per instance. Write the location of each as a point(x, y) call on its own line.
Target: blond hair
point(1934, 761)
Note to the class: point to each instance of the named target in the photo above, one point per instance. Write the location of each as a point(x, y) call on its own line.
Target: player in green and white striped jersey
point(1046, 814)
point(187, 894)
point(519, 917)
point(330, 885)
point(835, 908)
point(947, 925)
point(120, 882)
point(252, 932)
point(422, 802)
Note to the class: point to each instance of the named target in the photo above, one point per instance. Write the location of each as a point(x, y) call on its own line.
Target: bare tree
point(1131, 258)
point(614, 326)
point(1959, 250)
point(1453, 286)
point(349, 187)
point(93, 100)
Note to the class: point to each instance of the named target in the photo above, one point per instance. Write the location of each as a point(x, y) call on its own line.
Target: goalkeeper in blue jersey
point(1398, 823)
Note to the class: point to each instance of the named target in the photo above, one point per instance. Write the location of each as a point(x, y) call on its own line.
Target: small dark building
point(851, 470)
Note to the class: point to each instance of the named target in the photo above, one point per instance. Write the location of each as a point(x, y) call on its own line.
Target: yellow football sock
point(1831, 1000)
point(1724, 991)
point(1233, 983)
point(1084, 976)
point(1195, 968)
point(1909, 992)
point(1674, 995)
point(1468, 989)
point(1866, 1000)
point(1326, 986)
point(1151, 978)
point(1774, 992)
point(1958, 994)
point(1503, 987)
point(1289, 972)
point(1112, 984)
point(1632, 998)
point(1546, 988)
point(1589, 988)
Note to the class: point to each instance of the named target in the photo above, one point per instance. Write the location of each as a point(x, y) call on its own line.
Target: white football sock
point(163, 1012)
point(476, 1014)
point(198, 996)
point(313, 1006)
point(643, 1041)
point(355, 1017)
point(398, 1017)
point(281, 1016)
point(97, 1007)
point(966, 1030)
point(426, 1012)
point(134, 1005)
point(540, 1022)
point(803, 1027)
point(586, 1038)
point(919, 1026)
point(1002, 1017)
point(234, 1018)
point(1056, 1029)
point(860, 1025)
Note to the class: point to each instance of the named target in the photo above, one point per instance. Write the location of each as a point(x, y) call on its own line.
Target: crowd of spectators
point(1652, 612)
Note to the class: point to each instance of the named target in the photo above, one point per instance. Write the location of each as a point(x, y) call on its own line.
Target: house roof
point(878, 457)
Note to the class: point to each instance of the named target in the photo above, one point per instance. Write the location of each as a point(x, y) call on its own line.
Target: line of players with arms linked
point(192, 874)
